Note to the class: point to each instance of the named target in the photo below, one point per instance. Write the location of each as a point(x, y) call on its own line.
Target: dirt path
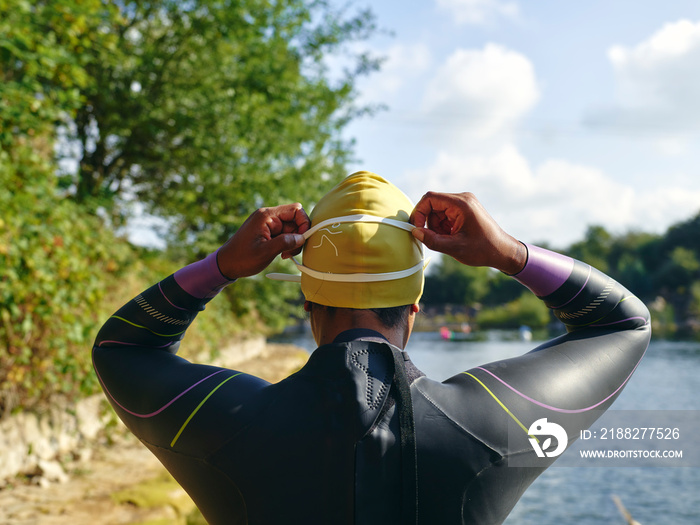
point(123, 483)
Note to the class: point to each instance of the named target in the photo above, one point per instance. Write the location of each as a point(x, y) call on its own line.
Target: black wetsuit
point(324, 446)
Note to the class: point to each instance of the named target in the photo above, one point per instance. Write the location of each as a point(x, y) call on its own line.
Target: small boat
point(464, 334)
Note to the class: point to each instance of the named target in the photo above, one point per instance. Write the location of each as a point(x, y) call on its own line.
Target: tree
point(594, 249)
point(685, 234)
point(628, 264)
point(206, 109)
point(42, 46)
point(526, 310)
point(452, 282)
point(679, 270)
point(672, 268)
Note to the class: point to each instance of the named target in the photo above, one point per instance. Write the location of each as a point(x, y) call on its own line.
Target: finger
point(281, 244)
point(434, 202)
point(293, 217)
point(440, 223)
point(291, 253)
point(302, 220)
point(429, 204)
point(300, 223)
point(421, 211)
point(440, 211)
point(432, 240)
point(277, 220)
point(454, 220)
point(419, 233)
point(417, 218)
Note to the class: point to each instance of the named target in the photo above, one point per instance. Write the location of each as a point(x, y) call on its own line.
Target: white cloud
point(665, 206)
point(673, 40)
point(555, 201)
point(478, 11)
point(482, 92)
point(672, 146)
point(480, 97)
point(402, 64)
point(658, 82)
point(663, 70)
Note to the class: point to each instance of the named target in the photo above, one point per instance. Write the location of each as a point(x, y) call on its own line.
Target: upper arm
point(162, 398)
point(570, 380)
point(170, 402)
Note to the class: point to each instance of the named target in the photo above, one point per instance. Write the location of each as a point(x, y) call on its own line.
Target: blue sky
point(555, 114)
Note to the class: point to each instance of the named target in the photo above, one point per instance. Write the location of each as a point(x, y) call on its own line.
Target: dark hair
point(393, 316)
point(390, 317)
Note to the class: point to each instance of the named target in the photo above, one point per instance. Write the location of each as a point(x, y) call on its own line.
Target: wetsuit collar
point(355, 334)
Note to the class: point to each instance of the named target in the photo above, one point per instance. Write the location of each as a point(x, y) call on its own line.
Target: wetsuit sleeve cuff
point(202, 279)
point(545, 271)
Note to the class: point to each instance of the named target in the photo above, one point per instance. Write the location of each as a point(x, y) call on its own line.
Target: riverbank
point(117, 480)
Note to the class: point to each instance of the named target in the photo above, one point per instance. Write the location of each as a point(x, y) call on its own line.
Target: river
point(668, 378)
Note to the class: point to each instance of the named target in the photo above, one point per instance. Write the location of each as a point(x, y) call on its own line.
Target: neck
point(326, 325)
point(354, 334)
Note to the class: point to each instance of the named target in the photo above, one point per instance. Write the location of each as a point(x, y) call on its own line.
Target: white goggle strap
point(358, 218)
point(359, 277)
point(353, 277)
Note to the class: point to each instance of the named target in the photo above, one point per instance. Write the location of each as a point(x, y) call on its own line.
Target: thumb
point(285, 242)
point(426, 236)
point(434, 241)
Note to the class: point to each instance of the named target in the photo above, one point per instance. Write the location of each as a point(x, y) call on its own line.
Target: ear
point(415, 308)
point(307, 307)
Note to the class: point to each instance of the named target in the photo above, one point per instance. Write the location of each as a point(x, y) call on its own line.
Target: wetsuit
point(327, 445)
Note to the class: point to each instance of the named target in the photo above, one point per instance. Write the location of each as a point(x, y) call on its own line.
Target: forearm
point(159, 316)
point(579, 295)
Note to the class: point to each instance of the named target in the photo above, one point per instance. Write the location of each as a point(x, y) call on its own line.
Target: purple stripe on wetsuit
point(158, 411)
point(590, 268)
point(160, 287)
point(567, 410)
point(202, 279)
point(545, 271)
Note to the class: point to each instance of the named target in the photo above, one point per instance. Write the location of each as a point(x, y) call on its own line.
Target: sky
point(556, 115)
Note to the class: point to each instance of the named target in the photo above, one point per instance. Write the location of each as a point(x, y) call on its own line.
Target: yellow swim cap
point(359, 252)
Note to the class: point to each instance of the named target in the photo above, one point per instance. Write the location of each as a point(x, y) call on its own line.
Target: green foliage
point(595, 248)
point(53, 258)
point(62, 273)
point(627, 262)
point(526, 310)
point(451, 282)
point(282, 301)
point(671, 265)
point(42, 59)
point(694, 306)
point(53, 265)
point(663, 270)
point(679, 270)
point(663, 318)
